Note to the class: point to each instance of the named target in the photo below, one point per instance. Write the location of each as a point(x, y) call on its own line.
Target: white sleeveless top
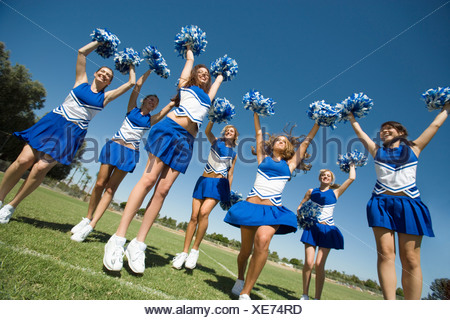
point(194, 103)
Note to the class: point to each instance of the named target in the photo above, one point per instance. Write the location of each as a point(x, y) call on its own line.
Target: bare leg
point(15, 171)
point(162, 188)
point(310, 253)
point(247, 239)
point(263, 237)
point(321, 259)
point(35, 178)
point(385, 240)
point(110, 189)
point(409, 250)
point(192, 225)
point(205, 210)
point(139, 192)
point(102, 179)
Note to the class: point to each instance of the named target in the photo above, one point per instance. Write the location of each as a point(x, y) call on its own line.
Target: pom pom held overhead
point(323, 114)
point(355, 157)
point(156, 61)
point(254, 101)
point(225, 66)
point(436, 98)
point(124, 59)
point(358, 103)
point(109, 42)
point(191, 36)
point(222, 111)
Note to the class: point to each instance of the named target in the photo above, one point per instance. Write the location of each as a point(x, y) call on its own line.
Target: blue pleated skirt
point(245, 213)
point(117, 155)
point(216, 188)
point(171, 143)
point(55, 136)
point(324, 236)
point(399, 213)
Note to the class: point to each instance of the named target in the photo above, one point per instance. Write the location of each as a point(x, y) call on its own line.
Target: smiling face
point(202, 76)
point(230, 134)
point(280, 143)
point(388, 132)
point(104, 75)
point(149, 104)
point(326, 177)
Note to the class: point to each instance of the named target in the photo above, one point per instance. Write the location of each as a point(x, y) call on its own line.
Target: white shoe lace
point(117, 255)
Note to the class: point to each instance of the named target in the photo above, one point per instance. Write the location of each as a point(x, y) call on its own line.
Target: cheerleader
point(170, 143)
point(262, 214)
point(58, 135)
point(120, 156)
point(323, 234)
point(395, 205)
point(213, 186)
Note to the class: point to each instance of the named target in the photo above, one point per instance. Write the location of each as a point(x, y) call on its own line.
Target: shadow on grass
point(63, 227)
point(225, 284)
point(114, 274)
point(285, 293)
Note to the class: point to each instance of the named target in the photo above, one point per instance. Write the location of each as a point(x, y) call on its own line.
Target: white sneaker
point(81, 235)
point(237, 288)
point(113, 258)
point(83, 223)
point(1, 204)
point(136, 255)
point(304, 297)
point(244, 297)
point(179, 260)
point(191, 260)
point(5, 213)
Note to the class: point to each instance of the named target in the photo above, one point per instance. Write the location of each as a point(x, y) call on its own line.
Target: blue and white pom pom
point(222, 111)
point(234, 198)
point(323, 114)
point(436, 98)
point(254, 101)
point(192, 36)
point(109, 41)
point(355, 157)
point(358, 103)
point(124, 59)
point(307, 214)
point(225, 66)
point(156, 61)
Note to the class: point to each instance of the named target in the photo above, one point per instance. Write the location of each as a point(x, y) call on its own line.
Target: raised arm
point(305, 198)
point(351, 177)
point(164, 111)
point(231, 172)
point(186, 73)
point(132, 103)
point(113, 94)
point(301, 150)
point(208, 132)
point(215, 87)
point(80, 70)
point(260, 152)
point(368, 143)
point(426, 136)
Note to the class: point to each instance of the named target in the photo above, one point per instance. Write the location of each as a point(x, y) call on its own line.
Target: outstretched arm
point(422, 141)
point(208, 132)
point(305, 198)
point(186, 73)
point(351, 177)
point(113, 94)
point(368, 143)
point(301, 150)
point(260, 152)
point(164, 111)
point(132, 103)
point(80, 70)
point(231, 172)
point(215, 87)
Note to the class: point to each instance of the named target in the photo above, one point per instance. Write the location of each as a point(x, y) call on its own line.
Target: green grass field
point(39, 261)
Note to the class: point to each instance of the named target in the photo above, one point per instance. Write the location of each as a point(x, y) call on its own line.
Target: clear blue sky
point(295, 52)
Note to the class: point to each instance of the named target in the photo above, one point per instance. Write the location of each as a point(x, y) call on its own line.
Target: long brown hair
point(400, 128)
point(193, 81)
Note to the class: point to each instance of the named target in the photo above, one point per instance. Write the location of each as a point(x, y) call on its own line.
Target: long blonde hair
point(332, 185)
point(236, 134)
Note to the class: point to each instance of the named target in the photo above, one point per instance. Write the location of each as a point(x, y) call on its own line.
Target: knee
point(162, 191)
point(410, 260)
point(262, 242)
point(42, 167)
point(244, 254)
point(23, 161)
point(204, 214)
point(309, 263)
point(148, 181)
point(194, 219)
point(111, 189)
point(100, 184)
point(386, 253)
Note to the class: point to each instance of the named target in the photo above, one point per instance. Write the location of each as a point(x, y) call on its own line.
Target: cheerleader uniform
point(396, 172)
point(270, 181)
point(132, 130)
point(169, 141)
point(324, 235)
point(61, 132)
point(220, 160)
